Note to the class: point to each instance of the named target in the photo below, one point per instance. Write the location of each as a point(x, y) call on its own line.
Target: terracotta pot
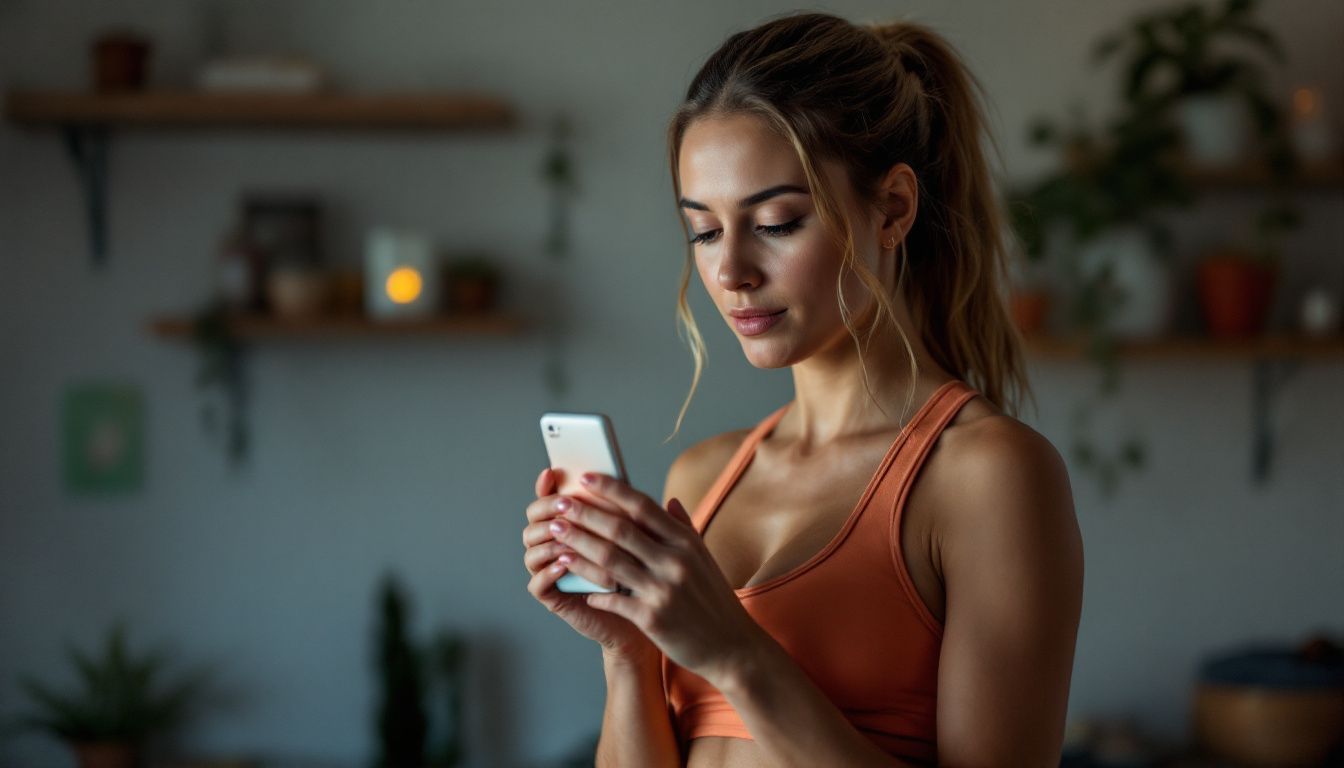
point(1235, 293)
point(1030, 309)
point(106, 754)
point(120, 62)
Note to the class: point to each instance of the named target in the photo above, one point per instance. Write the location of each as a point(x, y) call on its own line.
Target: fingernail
point(557, 568)
point(565, 558)
point(557, 527)
point(562, 504)
point(588, 478)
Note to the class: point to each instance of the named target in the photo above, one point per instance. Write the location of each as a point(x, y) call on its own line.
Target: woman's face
point(759, 244)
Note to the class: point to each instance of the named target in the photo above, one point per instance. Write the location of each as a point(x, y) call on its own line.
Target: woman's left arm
point(1012, 565)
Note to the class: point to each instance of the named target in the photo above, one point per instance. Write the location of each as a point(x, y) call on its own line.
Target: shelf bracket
point(1269, 376)
point(87, 147)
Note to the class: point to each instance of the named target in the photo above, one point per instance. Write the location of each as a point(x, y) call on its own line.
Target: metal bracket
point(1269, 376)
point(87, 148)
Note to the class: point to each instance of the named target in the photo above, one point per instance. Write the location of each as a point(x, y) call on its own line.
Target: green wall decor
point(103, 437)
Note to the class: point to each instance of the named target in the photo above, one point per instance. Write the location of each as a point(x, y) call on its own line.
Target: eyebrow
point(752, 199)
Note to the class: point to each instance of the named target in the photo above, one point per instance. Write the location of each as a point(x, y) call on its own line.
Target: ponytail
point(958, 253)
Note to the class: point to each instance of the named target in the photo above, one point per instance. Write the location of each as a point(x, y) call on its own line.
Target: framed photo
point(102, 425)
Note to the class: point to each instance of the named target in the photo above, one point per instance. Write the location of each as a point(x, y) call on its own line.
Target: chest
point(781, 513)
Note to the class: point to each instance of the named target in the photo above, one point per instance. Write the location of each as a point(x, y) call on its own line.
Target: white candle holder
point(402, 275)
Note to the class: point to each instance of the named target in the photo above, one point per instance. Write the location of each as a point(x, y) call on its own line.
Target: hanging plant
point(557, 172)
point(222, 367)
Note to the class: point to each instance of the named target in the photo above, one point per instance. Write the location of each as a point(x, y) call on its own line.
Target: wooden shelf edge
point(344, 327)
point(1328, 173)
point(1197, 347)
point(463, 110)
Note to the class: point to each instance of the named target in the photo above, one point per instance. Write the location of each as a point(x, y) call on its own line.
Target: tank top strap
point(920, 435)
point(734, 468)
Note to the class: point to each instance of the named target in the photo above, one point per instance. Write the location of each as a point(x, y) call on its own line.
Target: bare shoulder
point(995, 472)
point(694, 470)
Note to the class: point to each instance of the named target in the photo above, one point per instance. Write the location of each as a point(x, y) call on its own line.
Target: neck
point(831, 401)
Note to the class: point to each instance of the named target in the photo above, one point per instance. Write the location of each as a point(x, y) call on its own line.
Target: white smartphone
point(578, 443)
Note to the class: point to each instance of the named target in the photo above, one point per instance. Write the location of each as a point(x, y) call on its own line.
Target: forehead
point(727, 157)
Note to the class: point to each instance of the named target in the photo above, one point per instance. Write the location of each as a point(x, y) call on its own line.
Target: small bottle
point(238, 274)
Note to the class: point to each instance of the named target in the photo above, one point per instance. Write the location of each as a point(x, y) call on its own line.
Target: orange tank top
point(850, 615)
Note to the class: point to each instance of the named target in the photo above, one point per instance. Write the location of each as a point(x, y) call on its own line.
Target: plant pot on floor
point(105, 754)
point(1235, 292)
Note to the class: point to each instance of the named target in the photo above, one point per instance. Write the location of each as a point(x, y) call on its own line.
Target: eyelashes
point(769, 230)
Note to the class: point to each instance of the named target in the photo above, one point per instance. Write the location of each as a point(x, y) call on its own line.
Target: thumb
point(678, 511)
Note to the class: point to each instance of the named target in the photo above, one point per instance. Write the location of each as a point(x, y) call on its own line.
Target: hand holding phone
point(578, 443)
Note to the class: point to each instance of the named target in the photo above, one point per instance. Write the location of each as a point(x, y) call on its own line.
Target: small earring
point(890, 243)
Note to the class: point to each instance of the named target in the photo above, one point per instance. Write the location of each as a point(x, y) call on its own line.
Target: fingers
point(543, 508)
point(543, 581)
point(616, 528)
point(604, 553)
point(599, 576)
point(637, 506)
point(543, 554)
point(545, 482)
point(626, 606)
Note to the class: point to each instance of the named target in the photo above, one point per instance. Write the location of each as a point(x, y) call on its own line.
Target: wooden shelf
point(262, 327)
point(1275, 346)
point(205, 109)
point(1313, 175)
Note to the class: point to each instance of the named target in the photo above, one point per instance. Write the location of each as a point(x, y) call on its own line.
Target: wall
point(420, 456)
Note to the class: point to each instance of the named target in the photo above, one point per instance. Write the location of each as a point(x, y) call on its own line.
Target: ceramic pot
point(297, 292)
point(1137, 271)
point(1270, 706)
point(1235, 293)
point(1030, 309)
point(1215, 128)
point(120, 61)
point(470, 294)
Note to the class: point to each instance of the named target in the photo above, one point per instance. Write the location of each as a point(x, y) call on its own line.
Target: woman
point(837, 612)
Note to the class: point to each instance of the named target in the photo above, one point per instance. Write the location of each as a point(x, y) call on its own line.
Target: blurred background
point(287, 284)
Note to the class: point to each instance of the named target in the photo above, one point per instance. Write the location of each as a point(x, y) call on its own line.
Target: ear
point(899, 199)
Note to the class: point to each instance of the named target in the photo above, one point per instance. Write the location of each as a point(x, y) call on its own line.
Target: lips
point(757, 323)
point(753, 312)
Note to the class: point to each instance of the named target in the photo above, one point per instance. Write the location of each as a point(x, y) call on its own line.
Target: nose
point(737, 267)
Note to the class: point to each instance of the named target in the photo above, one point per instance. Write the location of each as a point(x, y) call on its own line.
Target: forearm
point(636, 729)
point(789, 718)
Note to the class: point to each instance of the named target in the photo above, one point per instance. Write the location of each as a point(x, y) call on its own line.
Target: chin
point(765, 355)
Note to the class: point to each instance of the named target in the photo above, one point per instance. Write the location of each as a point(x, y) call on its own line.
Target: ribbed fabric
point(850, 615)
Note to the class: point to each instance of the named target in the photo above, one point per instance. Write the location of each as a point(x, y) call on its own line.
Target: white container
point(1137, 271)
point(1215, 127)
point(402, 275)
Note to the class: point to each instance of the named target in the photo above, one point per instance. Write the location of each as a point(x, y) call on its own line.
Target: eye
point(770, 230)
point(780, 230)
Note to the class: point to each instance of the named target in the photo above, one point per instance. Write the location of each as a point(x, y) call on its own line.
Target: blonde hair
point(868, 97)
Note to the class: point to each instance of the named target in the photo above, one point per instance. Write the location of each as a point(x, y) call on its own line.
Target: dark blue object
point(1269, 667)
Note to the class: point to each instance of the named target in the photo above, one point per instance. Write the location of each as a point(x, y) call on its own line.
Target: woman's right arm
point(636, 724)
point(636, 727)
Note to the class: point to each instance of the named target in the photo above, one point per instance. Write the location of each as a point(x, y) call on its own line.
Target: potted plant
point(1099, 216)
point(122, 701)
point(1180, 59)
point(223, 365)
point(473, 284)
point(1099, 213)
